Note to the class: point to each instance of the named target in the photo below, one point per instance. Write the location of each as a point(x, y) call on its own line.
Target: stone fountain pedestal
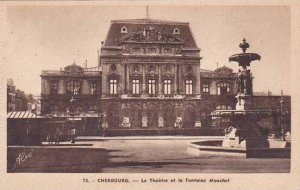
point(244, 137)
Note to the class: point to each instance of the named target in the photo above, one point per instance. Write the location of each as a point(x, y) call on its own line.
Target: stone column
point(175, 80)
point(126, 78)
point(144, 78)
point(159, 80)
point(198, 115)
point(160, 116)
point(144, 116)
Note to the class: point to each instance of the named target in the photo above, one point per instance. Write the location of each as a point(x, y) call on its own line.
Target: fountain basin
point(278, 149)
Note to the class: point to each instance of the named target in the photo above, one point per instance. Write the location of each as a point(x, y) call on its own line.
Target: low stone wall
point(161, 132)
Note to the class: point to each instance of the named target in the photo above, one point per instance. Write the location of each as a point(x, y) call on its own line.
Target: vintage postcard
point(149, 95)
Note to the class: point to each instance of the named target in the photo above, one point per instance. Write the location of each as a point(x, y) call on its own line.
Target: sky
point(51, 37)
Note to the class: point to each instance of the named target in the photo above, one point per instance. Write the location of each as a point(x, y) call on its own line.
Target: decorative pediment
point(113, 75)
point(73, 69)
point(189, 75)
point(223, 72)
point(151, 34)
point(152, 74)
point(135, 74)
point(167, 75)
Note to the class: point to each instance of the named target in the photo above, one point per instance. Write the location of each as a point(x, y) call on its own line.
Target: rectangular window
point(205, 88)
point(188, 87)
point(151, 86)
point(167, 86)
point(53, 88)
point(167, 50)
point(113, 86)
point(152, 50)
point(136, 49)
point(93, 88)
point(135, 86)
point(73, 87)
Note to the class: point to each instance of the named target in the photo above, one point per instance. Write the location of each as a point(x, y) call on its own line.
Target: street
point(136, 156)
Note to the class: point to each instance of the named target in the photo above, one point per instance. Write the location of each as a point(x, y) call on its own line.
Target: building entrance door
point(168, 114)
point(136, 116)
point(152, 116)
point(113, 116)
point(189, 117)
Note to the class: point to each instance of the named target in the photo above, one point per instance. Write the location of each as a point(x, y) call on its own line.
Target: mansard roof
point(136, 26)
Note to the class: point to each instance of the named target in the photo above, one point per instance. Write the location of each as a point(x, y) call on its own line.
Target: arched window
point(73, 87)
point(223, 88)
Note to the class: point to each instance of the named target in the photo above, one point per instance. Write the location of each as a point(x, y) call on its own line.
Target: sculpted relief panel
point(151, 34)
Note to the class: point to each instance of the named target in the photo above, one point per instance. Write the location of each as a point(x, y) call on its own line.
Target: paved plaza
point(136, 155)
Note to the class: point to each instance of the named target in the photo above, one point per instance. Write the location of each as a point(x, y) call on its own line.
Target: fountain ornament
point(243, 136)
point(244, 132)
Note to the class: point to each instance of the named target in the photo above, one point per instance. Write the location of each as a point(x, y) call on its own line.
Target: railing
point(94, 69)
point(89, 72)
point(69, 96)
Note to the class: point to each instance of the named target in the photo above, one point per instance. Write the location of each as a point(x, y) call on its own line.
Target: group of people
point(53, 139)
point(57, 137)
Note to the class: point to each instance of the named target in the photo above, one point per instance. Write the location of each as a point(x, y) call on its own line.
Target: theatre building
point(151, 77)
point(148, 81)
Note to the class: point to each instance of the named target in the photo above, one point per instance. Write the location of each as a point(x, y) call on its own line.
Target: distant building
point(83, 85)
point(21, 101)
point(11, 96)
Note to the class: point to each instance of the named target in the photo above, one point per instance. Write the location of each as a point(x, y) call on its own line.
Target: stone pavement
point(95, 138)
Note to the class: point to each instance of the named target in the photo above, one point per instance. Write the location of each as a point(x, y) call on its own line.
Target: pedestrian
point(73, 135)
point(48, 139)
point(56, 138)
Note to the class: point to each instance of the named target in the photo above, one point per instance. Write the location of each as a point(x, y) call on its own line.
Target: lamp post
point(72, 108)
point(282, 117)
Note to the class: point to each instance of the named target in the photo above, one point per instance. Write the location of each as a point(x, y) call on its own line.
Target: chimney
point(85, 64)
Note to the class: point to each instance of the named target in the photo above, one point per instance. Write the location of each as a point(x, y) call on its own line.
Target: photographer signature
point(22, 157)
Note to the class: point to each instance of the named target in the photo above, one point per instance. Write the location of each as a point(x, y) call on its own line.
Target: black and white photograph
point(108, 92)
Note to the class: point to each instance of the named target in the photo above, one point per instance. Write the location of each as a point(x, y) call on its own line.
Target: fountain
point(244, 136)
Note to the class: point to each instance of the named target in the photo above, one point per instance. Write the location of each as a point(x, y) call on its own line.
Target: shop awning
point(22, 115)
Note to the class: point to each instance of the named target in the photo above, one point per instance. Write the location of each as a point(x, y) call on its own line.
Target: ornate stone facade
point(83, 85)
point(157, 75)
point(159, 82)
